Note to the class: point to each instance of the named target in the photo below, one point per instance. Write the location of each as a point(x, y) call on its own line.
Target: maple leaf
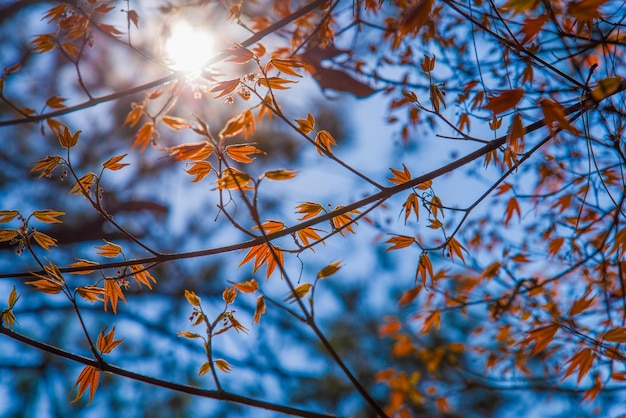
point(88, 378)
point(506, 100)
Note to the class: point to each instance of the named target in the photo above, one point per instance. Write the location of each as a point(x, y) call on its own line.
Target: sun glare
point(187, 48)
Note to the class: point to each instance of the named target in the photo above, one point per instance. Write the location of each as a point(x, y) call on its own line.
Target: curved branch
point(190, 390)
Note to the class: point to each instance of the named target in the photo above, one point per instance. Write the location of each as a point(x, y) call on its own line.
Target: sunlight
point(187, 48)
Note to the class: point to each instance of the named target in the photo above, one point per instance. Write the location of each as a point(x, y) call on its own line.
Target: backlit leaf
point(48, 216)
point(200, 169)
point(109, 249)
point(306, 125)
point(242, 152)
point(112, 294)
point(44, 240)
point(400, 177)
point(300, 291)
point(249, 286)
point(399, 241)
point(88, 378)
point(323, 142)
point(114, 164)
point(583, 360)
point(615, 335)
point(8, 215)
point(329, 270)
point(506, 100)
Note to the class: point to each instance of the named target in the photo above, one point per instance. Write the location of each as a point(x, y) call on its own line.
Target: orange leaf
point(243, 122)
point(391, 326)
point(308, 210)
point(585, 9)
point(200, 169)
point(511, 208)
point(286, 66)
point(583, 360)
point(7, 234)
point(109, 249)
point(553, 112)
point(114, 164)
point(145, 136)
point(580, 305)
point(541, 336)
point(239, 54)
point(260, 309)
point(111, 30)
point(532, 27)
point(507, 99)
point(299, 291)
point(456, 248)
point(55, 102)
point(615, 335)
point(555, 245)
point(134, 115)
point(174, 123)
point(329, 270)
point(306, 234)
point(48, 216)
point(275, 83)
point(194, 151)
point(280, 174)
point(67, 139)
point(323, 142)
point(112, 293)
point(432, 321)
point(226, 87)
point(234, 179)
point(88, 378)
point(141, 275)
point(249, 286)
point(415, 17)
point(400, 177)
point(399, 241)
point(242, 152)
point(46, 285)
point(306, 125)
point(44, 240)
point(106, 343)
point(270, 227)
point(8, 215)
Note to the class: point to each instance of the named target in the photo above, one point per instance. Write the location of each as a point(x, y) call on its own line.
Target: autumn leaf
point(83, 185)
point(242, 123)
point(239, 54)
point(585, 9)
point(249, 286)
point(114, 164)
point(8, 215)
point(192, 298)
point(615, 335)
point(144, 136)
point(286, 66)
point(141, 275)
point(84, 263)
point(44, 240)
point(260, 309)
point(47, 216)
point(512, 208)
point(432, 321)
point(299, 291)
point(553, 112)
point(344, 221)
point(275, 83)
point(400, 177)
point(88, 378)
point(225, 87)
point(308, 210)
point(329, 270)
point(506, 100)
point(223, 365)
point(46, 285)
point(583, 360)
point(112, 294)
point(305, 235)
point(541, 337)
point(606, 87)
point(91, 293)
point(424, 269)
point(399, 241)
point(200, 169)
point(241, 152)
point(195, 151)
point(233, 179)
point(306, 125)
point(67, 139)
point(456, 249)
point(175, 123)
point(109, 249)
point(323, 142)
point(279, 175)
point(56, 102)
point(107, 343)
point(415, 17)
